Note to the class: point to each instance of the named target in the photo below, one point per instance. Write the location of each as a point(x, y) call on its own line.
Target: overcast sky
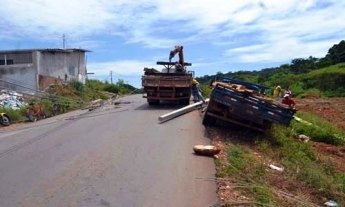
point(218, 35)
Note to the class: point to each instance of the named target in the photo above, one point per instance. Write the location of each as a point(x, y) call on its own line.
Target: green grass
point(15, 115)
point(320, 130)
point(301, 164)
point(249, 174)
point(333, 69)
point(328, 80)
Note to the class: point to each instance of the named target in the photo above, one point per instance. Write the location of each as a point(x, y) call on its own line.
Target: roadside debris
point(331, 203)
point(11, 99)
point(121, 102)
point(207, 150)
point(301, 120)
point(280, 169)
point(95, 104)
point(178, 112)
point(303, 138)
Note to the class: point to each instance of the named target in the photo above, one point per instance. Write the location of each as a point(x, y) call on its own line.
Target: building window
point(16, 58)
point(9, 62)
point(71, 70)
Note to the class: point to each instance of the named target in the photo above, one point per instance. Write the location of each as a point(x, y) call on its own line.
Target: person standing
point(197, 91)
point(288, 101)
point(277, 92)
point(288, 91)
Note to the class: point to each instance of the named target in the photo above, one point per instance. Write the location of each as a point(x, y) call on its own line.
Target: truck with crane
point(173, 83)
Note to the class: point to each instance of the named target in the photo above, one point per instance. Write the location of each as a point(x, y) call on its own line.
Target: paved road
point(118, 155)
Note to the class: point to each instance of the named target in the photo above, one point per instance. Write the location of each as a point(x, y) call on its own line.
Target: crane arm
point(178, 49)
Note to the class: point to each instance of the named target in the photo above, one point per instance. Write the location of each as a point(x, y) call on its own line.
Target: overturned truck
point(243, 103)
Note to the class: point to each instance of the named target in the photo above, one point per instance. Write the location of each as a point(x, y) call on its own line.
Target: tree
point(300, 65)
point(337, 53)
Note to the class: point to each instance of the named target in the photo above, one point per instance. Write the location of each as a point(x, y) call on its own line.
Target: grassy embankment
point(70, 97)
point(309, 177)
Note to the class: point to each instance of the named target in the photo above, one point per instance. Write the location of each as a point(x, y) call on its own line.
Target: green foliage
point(15, 115)
point(301, 165)
point(77, 86)
point(306, 76)
point(206, 90)
point(94, 84)
point(119, 87)
point(111, 88)
point(301, 162)
point(337, 53)
point(237, 158)
point(310, 93)
point(320, 130)
point(301, 65)
point(243, 167)
point(263, 195)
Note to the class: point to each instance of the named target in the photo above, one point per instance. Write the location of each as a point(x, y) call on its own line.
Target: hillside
point(324, 82)
point(316, 77)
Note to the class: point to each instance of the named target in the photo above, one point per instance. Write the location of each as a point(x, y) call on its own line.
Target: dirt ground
point(331, 109)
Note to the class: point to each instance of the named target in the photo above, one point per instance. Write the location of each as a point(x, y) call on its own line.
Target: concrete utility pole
point(63, 41)
point(111, 77)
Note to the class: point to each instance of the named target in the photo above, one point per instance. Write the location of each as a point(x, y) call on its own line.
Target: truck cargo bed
point(244, 107)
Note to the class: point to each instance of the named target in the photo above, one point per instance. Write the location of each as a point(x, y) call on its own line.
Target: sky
point(124, 36)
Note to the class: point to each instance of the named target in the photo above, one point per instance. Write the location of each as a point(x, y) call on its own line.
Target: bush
point(111, 88)
point(15, 115)
point(206, 90)
point(77, 86)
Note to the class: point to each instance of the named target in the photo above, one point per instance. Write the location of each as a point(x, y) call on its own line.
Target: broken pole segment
point(178, 112)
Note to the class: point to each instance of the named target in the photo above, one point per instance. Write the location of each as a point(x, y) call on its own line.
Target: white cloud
point(246, 31)
point(122, 67)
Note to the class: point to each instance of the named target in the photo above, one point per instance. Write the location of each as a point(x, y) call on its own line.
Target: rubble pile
point(11, 99)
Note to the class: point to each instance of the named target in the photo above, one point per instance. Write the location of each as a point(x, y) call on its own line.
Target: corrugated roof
point(56, 50)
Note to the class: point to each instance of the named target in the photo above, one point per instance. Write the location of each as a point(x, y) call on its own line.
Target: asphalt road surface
point(117, 155)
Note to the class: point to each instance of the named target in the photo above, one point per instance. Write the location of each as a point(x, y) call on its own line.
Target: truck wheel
point(153, 102)
point(208, 120)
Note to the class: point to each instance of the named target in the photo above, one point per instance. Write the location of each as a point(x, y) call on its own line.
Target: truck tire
point(152, 102)
point(208, 120)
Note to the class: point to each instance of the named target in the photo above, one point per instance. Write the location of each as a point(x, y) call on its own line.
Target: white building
point(38, 68)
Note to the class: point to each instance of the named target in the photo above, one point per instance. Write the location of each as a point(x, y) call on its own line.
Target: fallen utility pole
point(301, 120)
point(178, 112)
